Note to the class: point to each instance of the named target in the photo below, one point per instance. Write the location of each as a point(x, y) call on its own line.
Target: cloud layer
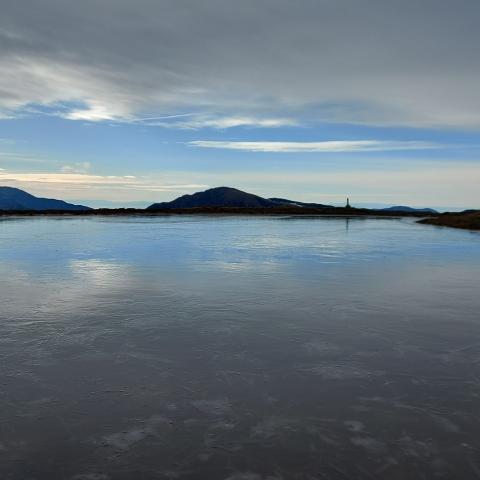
point(319, 147)
point(250, 62)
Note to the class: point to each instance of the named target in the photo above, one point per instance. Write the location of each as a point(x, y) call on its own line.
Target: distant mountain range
point(401, 208)
point(228, 197)
point(232, 197)
point(219, 197)
point(16, 199)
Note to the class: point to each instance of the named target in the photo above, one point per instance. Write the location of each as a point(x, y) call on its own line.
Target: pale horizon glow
point(364, 187)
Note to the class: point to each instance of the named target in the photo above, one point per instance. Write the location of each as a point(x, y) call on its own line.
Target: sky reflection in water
point(239, 348)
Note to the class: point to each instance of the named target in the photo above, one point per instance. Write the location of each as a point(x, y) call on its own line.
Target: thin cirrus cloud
point(192, 121)
point(325, 146)
point(78, 167)
point(184, 121)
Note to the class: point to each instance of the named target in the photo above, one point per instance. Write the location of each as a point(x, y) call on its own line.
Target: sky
point(122, 102)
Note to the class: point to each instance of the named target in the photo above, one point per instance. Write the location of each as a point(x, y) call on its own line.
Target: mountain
point(401, 208)
point(216, 197)
point(16, 199)
point(229, 197)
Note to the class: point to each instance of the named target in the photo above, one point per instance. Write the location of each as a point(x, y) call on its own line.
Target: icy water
point(238, 348)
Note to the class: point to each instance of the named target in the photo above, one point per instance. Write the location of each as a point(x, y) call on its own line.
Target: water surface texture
point(238, 348)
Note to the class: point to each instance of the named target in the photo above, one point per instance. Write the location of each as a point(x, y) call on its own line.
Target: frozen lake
point(238, 348)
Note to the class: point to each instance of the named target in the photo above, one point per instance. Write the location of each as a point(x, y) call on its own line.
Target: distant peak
point(12, 198)
point(228, 197)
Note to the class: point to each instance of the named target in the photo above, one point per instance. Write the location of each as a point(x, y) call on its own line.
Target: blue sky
point(315, 102)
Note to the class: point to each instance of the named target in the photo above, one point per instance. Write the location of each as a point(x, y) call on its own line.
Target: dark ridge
point(14, 199)
point(284, 201)
point(402, 208)
point(216, 197)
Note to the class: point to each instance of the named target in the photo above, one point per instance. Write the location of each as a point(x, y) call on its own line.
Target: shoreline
point(326, 212)
point(465, 220)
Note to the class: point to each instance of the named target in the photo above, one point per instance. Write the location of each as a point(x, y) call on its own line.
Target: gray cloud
point(410, 62)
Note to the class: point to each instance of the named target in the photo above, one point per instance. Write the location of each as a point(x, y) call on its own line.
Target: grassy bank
point(468, 220)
